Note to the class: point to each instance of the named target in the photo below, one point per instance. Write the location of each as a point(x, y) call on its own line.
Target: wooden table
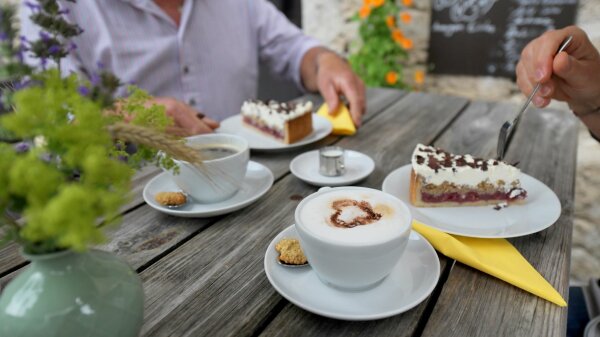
point(205, 277)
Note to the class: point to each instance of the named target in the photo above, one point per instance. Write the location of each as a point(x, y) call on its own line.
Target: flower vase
point(73, 294)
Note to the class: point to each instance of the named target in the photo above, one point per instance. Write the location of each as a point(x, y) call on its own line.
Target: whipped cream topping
point(275, 114)
point(436, 166)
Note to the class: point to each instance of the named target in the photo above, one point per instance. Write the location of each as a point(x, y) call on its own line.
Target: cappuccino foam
point(358, 216)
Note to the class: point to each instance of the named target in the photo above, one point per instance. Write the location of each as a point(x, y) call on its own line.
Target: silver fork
point(508, 128)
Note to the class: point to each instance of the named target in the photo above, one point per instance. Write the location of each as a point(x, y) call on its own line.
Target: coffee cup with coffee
point(352, 236)
point(224, 162)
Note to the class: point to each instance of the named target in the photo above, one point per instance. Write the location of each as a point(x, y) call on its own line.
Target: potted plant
point(64, 182)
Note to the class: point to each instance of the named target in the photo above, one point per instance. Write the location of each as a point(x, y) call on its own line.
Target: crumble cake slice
point(442, 179)
point(286, 122)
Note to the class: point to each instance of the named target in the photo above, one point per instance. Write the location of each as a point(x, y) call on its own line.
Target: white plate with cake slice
point(263, 142)
point(537, 212)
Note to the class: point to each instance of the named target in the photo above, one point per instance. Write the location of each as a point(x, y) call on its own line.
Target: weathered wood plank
point(475, 304)
point(215, 284)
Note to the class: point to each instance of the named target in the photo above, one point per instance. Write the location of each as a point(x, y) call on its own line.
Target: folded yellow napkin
point(341, 120)
point(496, 257)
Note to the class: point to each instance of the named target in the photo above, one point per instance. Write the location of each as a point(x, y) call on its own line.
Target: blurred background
point(458, 48)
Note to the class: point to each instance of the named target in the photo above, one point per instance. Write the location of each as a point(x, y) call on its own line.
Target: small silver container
point(331, 161)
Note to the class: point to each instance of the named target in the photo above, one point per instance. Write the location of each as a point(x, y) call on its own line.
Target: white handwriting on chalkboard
point(449, 29)
point(466, 10)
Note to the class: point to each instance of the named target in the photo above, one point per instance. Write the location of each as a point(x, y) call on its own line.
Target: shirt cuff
point(306, 45)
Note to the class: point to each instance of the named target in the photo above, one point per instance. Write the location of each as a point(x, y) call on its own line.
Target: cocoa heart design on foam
point(369, 215)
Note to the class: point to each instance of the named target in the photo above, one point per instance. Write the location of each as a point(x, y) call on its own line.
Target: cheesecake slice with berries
point(286, 122)
point(442, 179)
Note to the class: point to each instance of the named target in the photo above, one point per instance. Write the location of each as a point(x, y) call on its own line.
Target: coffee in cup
point(352, 236)
point(224, 162)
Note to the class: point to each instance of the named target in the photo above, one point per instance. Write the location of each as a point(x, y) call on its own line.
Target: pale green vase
point(71, 294)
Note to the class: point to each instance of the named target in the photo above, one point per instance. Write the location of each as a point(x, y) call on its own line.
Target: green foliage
point(69, 176)
point(73, 179)
point(380, 54)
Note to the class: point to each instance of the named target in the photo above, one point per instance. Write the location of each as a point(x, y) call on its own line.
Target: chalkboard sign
point(486, 37)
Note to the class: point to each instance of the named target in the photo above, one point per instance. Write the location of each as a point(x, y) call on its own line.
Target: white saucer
point(258, 141)
point(257, 182)
point(411, 281)
point(540, 210)
point(306, 168)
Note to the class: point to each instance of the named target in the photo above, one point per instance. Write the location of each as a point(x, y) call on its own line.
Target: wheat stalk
point(157, 140)
point(167, 144)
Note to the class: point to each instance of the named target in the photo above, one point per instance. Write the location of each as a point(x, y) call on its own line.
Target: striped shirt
point(210, 61)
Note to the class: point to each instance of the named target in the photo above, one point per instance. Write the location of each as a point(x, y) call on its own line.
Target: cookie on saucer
point(170, 198)
point(290, 252)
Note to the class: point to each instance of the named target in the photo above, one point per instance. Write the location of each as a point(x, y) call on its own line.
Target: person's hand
point(572, 76)
point(335, 78)
point(187, 121)
point(331, 75)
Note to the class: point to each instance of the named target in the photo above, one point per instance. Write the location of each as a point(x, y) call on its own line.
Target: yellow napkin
point(341, 120)
point(496, 257)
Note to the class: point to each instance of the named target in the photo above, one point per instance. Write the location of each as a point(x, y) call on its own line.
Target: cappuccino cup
point(223, 169)
point(352, 236)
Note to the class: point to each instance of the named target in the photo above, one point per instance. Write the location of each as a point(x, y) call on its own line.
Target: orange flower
point(377, 3)
point(419, 77)
point(390, 21)
point(391, 77)
point(406, 43)
point(397, 35)
point(406, 17)
point(407, 2)
point(364, 12)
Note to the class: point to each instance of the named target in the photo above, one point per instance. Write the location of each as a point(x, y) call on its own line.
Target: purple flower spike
point(83, 90)
point(22, 84)
point(3, 36)
point(21, 147)
point(44, 36)
point(72, 46)
point(33, 6)
point(20, 55)
point(46, 157)
point(54, 49)
point(100, 65)
point(23, 39)
point(43, 62)
point(95, 79)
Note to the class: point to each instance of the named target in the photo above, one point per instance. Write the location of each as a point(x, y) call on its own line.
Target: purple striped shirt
point(210, 61)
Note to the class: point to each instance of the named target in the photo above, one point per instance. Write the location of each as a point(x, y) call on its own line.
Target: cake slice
point(286, 122)
point(442, 179)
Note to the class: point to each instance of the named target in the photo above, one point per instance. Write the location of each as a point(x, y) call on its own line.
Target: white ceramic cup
point(358, 260)
point(219, 179)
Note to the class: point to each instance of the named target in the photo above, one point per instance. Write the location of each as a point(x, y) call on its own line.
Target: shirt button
point(186, 69)
point(192, 101)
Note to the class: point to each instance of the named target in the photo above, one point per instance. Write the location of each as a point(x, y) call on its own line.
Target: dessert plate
point(540, 210)
point(306, 167)
point(410, 282)
point(258, 141)
point(257, 182)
